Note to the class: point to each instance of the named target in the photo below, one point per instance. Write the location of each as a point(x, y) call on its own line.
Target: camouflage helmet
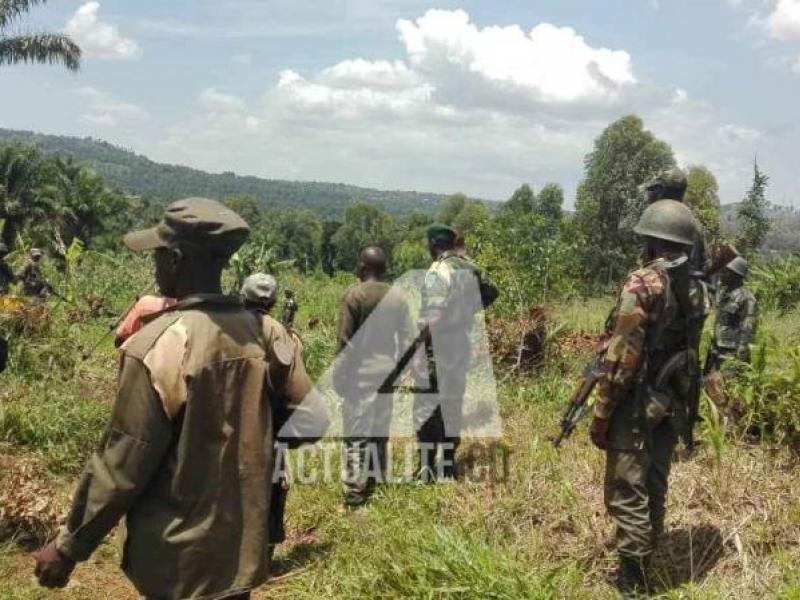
point(671, 179)
point(668, 220)
point(739, 266)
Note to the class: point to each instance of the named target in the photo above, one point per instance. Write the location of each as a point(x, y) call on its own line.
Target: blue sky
point(448, 96)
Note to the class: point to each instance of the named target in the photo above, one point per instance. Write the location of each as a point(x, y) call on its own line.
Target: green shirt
point(737, 315)
point(187, 458)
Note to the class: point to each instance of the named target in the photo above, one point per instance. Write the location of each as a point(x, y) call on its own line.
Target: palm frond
point(49, 48)
point(13, 9)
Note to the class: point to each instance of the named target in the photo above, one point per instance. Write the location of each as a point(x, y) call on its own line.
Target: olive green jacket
point(188, 456)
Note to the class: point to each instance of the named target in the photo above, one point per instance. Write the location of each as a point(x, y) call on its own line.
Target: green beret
point(199, 222)
point(440, 231)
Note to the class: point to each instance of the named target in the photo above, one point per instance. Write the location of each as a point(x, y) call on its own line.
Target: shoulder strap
point(144, 339)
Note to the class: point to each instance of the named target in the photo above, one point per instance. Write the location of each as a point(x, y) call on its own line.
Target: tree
point(21, 190)
point(364, 225)
point(296, 234)
point(327, 250)
point(549, 202)
point(752, 214)
point(522, 201)
point(702, 196)
point(609, 202)
point(470, 218)
point(450, 208)
point(47, 48)
point(245, 207)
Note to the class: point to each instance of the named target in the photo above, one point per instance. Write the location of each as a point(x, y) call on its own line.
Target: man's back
point(194, 413)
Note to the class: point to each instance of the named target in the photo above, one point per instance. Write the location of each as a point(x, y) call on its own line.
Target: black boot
point(631, 579)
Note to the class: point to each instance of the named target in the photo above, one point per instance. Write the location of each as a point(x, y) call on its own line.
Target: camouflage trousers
point(636, 484)
point(366, 424)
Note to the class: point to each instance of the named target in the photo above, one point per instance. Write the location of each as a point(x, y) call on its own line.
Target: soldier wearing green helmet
point(736, 319)
point(642, 405)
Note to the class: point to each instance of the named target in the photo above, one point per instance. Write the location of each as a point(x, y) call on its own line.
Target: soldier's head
point(735, 272)
point(3, 250)
point(36, 254)
point(260, 290)
point(667, 228)
point(288, 294)
point(441, 238)
point(192, 244)
point(371, 263)
point(667, 185)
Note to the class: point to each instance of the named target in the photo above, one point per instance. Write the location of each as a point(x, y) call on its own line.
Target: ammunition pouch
point(658, 406)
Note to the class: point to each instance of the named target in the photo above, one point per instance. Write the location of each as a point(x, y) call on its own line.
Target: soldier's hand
point(53, 569)
point(598, 431)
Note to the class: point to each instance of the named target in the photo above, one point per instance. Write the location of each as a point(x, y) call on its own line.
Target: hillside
point(784, 234)
point(137, 174)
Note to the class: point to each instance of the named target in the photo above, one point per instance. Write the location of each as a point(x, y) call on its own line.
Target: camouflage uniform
point(33, 282)
point(650, 327)
point(735, 326)
point(365, 356)
point(438, 417)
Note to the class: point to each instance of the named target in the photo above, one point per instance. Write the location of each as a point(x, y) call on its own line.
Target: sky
point(456, 95)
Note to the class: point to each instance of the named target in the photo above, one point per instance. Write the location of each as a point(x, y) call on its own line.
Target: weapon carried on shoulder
point(578, 403)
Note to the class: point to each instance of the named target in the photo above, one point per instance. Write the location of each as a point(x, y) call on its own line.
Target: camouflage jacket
point(737, 314)
point(648, 327)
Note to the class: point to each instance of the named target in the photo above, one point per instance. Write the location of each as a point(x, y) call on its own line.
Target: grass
point(734, 512)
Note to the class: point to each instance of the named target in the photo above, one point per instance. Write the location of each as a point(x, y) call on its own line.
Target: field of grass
point(542, 532)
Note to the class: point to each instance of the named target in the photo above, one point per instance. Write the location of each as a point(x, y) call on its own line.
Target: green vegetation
point(541, 532)
point(35, 48)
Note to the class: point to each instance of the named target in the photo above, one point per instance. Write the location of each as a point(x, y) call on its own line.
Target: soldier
point(289, 308)
point(187, 456)
point(6, 273)
point(33, 282)
point(642, 403)
point(374, 327)
point(260, 293)
point(736, 321)
point(447, 315)
point(671, 185)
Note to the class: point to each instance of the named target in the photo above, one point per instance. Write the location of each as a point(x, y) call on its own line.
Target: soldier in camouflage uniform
point(33, 282)
point(736, 320)
point(188, 454)
point(447, 315)
point(642, 404)
point(374, 328)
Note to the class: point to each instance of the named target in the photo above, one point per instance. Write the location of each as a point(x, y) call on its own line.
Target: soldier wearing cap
point(643, 393)
point(33, 282)
point(447, 315)
point(260, 292)
point(736, 318)
point(187, 458)
point(7, 276)
point(374, 328)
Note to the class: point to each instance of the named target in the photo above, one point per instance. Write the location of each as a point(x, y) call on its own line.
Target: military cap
point(260, 287)
point(668, 220)
point(198, 222)
point(673, 179)
point(440, 231)
point(739, 266)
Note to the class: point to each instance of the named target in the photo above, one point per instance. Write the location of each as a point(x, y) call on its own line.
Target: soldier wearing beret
point(187, 458)
point(447, 315)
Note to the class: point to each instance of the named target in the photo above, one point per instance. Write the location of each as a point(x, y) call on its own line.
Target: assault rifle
point(578, 403)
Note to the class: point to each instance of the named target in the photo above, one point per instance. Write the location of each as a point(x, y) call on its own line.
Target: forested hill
point(136, 174)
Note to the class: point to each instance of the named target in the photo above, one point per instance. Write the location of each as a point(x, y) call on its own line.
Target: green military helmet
point(668, 220)
point(441, 232)
point(673, 179)
point(739, 266)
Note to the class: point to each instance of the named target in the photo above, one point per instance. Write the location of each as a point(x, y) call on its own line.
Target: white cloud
point(784, 21)
point(212, 99)
point(470, 108)
point(99, 39)
point(104, 110)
